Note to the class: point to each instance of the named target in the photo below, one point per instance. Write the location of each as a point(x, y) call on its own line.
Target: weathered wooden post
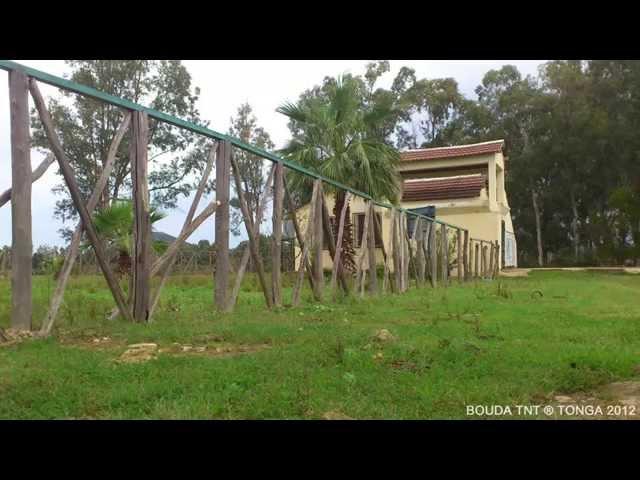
point(444, 255)
point(465, 258)
point(74, 246)
point(404, 260)
point(35, 175)
point(433, 253)
point(305, 246)
point(395, 250)
point(406, 252)
point(492, 248)
point(69, 178)
point(476, 258)
point(155, 297)
point(459, 252)
point(278, 203)
point(21, 243)
point(496, 264)
point(252, 232)
point(418, 235)
point(484, 261)
point(141, 221)
point(331, 244)
point(318, 273)
point(385, 276)
point(244, 261)
point(364, 242)
point(373, 276)
point(337, 255)
point(223, 170)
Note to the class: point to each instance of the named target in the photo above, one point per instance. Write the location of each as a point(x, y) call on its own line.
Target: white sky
point(225, 85)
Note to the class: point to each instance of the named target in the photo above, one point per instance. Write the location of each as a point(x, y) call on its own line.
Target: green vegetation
point(506, 342)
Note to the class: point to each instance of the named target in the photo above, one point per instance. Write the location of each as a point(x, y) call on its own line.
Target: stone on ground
point(384, 335)
point(139, 352)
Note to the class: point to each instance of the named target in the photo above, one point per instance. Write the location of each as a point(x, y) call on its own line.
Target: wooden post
point(278, 201)
point(420, 259)
point(74, 191)
point(489, 261)
point(21, 246)
point(402, 227)
point(484, 261)
point(187, 221)
point(424, 247)
point(360, 272)
point(141, 219)
point(35, 175)
point(492, 248)
point(496, 264)
point(411, 263)
point(407, 250)
point(465, 257)
point(175, 246)
point(306, 245)
point(318, 273)
point(459, 252)
point(444, 256)
point(246, 253)
point(74, 246)
point(400, 239)
point(395, 249)
point(373, 276)
point(251, 231)
point(433, 253)
point(223, 167)
point(338, 252)
point(331, 244)
point(386, 276)
point(296, 227)
point(476, 259)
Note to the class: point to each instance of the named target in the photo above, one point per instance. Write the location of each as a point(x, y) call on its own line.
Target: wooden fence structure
point(426, 252)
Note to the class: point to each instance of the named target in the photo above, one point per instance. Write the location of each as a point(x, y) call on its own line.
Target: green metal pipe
point(65, 84)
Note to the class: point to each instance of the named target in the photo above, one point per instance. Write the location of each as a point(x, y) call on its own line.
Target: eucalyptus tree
point(251, 167)
point(86, 127)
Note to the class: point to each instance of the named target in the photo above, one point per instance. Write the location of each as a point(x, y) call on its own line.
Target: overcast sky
point(225, 85)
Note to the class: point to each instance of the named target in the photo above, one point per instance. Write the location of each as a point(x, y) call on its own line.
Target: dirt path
point(615, 401)
point(524, 272)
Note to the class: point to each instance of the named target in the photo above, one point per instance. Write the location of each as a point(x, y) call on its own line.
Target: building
point(465, 184)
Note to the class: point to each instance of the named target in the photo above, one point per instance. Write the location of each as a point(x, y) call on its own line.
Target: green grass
point(484, 343)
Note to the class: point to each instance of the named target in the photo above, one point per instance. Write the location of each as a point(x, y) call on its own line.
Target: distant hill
point(164, 237)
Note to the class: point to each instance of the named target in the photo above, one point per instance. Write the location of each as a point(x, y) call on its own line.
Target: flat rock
point(562, 399)
point(383, 335)
point(139, 352)
point(143, 346)
point(335, 415)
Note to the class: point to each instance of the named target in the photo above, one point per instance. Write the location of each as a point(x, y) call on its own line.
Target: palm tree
point(115, 224)
point(337, 135)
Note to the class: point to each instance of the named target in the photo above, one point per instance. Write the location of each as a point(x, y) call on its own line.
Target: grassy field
point(507, 342)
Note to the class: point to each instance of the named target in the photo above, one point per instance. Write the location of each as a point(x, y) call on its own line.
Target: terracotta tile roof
point(464, 186)
point(448, 152)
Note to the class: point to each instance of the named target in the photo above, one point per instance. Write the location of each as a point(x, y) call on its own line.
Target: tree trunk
point(574, 226)
point(537, 213)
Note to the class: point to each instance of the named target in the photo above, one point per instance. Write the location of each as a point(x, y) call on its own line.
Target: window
point(429, 211)
point(359, 224)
